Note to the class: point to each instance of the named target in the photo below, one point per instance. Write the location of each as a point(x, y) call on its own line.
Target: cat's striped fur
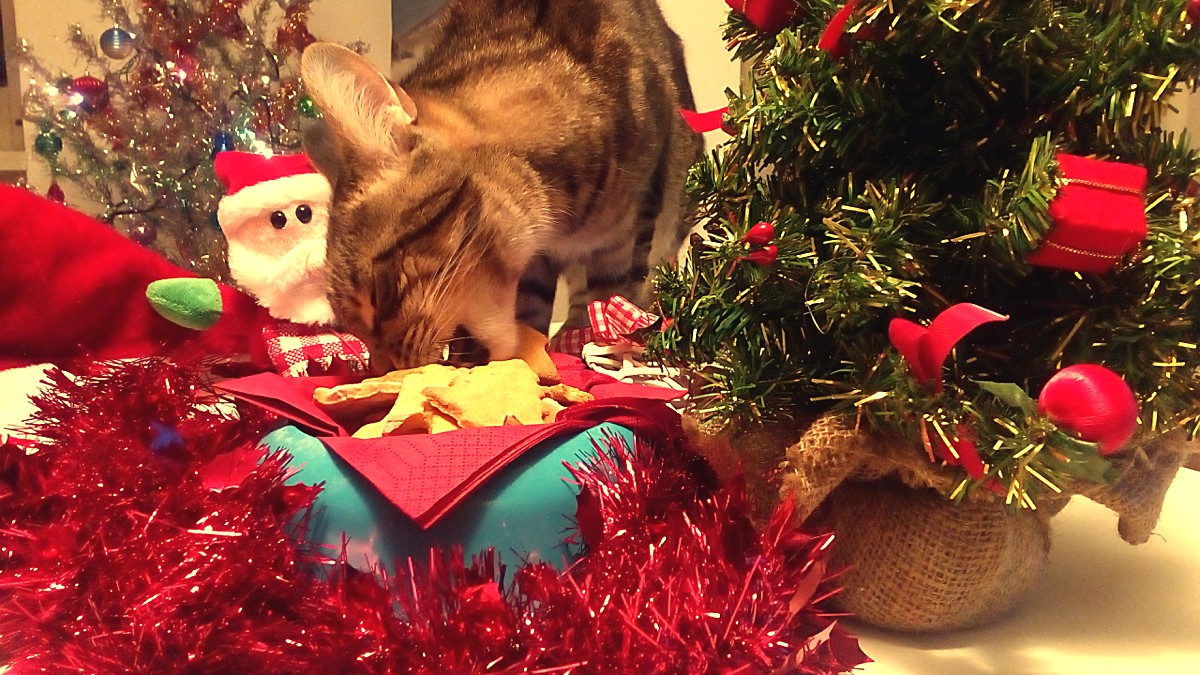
point(531, 134)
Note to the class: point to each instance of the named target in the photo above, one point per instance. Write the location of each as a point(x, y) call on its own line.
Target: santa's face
point(277, 253)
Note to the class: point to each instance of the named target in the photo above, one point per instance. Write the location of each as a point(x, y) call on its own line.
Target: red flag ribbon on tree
point(926, 348)
point(833, 40)
point(767, 16)
point(703, 122)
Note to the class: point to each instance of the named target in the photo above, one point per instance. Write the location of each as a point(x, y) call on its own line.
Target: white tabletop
point(1104, 607)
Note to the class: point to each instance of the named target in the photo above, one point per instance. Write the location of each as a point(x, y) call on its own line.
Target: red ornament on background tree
point(1098, 215)
point(224, 16)
point(55, 192)
point(293, 34)
point(767, 16)
point(143, 232)
point(92, 93)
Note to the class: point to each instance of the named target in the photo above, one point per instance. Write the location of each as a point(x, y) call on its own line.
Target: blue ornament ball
point(222, 141)
point(116, 43)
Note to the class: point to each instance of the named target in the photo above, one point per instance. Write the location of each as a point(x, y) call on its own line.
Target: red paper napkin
point(425, 475)
point(288, 397)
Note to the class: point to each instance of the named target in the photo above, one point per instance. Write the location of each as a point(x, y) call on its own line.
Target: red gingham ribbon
point(298, 350)
point(612, 322)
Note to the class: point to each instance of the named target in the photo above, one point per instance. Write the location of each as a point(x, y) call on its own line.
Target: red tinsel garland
point(115, 557)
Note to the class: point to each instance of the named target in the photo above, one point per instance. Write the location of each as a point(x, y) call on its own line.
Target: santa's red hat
point(257, 184)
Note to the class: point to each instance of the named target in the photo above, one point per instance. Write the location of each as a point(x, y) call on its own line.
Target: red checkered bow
point(612, 322)
point(299, 350)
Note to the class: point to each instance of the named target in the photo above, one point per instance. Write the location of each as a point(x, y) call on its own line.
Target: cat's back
point(565, 69)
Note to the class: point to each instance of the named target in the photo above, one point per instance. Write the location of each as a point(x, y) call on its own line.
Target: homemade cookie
point(350, 403)
point(532, 349)
point(486, 396)
point(410, 410)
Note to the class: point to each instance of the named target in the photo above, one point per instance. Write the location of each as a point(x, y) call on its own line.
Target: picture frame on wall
point(3, 59)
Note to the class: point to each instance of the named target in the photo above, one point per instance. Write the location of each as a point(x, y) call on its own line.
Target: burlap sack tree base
point(917, 561)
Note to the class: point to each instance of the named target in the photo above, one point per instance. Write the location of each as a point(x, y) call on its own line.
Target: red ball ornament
point(92, 93)
point(55, 193)
point(759, 235)
point(1193, 11)
point(144, 232)
point(767, 16)
point(1093, 402)
point(763, 256)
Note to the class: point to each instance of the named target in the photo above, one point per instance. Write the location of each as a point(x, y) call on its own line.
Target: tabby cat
point(532, 134)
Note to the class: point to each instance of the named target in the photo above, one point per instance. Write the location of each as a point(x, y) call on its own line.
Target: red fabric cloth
point(1099, 215)
point(72, 287)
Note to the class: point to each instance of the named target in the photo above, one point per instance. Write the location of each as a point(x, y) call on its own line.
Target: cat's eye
point(278, 220)
point(304, 213)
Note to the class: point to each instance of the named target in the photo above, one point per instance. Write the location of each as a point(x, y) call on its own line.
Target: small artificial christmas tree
point(896, 159)
point(165, 89)
point(955, 234)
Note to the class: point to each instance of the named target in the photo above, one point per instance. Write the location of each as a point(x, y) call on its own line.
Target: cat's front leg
point(490, 317)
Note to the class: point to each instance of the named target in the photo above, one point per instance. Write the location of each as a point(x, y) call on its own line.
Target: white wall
point(710, 67)
point(370, 21)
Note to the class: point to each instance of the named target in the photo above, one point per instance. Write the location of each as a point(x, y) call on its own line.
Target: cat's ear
point(322, 151)
point(364, 113)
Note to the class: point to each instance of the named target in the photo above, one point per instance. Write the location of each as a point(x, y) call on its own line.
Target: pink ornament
point(763, 256)
point(762, 233)
point(1092, 401)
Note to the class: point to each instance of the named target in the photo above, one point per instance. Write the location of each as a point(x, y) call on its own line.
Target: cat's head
point(413, 233)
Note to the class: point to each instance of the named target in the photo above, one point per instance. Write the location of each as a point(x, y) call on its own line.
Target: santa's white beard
point(292, 287)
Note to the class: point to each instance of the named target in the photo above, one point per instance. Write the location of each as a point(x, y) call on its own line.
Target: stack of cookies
point(436, 398)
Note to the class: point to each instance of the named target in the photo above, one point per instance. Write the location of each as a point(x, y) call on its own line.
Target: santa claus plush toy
point(275, 215)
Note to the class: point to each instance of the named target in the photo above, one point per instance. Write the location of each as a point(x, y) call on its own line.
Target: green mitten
point(191, 303)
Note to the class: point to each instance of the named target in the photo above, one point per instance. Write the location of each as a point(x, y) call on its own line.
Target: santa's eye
point(304, 213)
point(278, 220)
